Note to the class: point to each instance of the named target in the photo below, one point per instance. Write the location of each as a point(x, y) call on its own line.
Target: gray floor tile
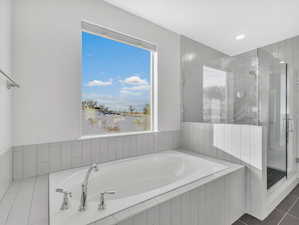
point(295, 210)
point(250, 220)
point(238, 222)
point(296, 191)
point(290, 220)
point(273, 218)
point(287, 203)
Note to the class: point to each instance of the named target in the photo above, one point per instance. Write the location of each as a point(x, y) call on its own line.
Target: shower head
point(252, 73)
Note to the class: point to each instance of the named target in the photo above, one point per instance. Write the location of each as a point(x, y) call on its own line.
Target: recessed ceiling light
point(240, 37)
point(282, 62)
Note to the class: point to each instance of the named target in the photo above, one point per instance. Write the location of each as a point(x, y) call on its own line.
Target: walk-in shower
point(249, 88)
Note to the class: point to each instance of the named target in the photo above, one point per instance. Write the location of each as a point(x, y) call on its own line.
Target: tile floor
point(286, 213)
point(273, 176)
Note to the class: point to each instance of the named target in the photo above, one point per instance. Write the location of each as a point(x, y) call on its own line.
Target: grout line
point(293, 216)
point(14, 200)
point(30, 208)
point(243, 222)
point(291, 207)
point(287, 212)
point(282, 218)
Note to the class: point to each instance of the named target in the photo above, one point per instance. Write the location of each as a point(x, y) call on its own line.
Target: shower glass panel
point(250, 88)
point(230, 90)
point(273, 113)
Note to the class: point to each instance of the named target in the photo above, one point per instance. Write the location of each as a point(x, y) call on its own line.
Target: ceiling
point(216, 23)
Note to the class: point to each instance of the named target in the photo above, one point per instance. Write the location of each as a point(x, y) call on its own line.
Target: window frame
point(138, 43)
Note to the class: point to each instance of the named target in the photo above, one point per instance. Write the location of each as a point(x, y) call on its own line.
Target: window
point(117, 82)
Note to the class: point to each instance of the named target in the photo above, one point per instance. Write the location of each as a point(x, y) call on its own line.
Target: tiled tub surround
point(216, 199)
point(235, 143)
point(135, 180)
point(232, 142)
point(40, 159)
point(242, 144)
point(5, 171)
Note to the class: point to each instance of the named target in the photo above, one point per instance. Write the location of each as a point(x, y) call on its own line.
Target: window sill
point(116, 135)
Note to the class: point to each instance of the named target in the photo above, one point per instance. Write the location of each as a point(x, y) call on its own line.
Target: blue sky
point(115, 74)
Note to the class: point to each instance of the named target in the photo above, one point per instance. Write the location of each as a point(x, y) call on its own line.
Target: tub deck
point(26, 202)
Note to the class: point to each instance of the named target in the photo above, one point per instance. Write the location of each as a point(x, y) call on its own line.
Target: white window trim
point(129, 40)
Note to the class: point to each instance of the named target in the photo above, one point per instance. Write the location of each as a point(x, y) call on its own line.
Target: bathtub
point(134, 180)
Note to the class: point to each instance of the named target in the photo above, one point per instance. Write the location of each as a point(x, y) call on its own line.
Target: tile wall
point(33, 160)
point(235, 143)
point(218, 202)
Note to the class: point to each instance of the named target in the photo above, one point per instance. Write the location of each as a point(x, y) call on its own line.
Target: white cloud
point(137, 88)
point(134, 80)
point(99, 83)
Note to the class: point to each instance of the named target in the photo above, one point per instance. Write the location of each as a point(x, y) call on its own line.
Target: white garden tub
point(135, 180)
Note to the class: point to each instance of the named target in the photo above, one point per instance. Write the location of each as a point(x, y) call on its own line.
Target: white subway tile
point(236, 141)
point(186, 208)
point(113, 147)
point(176, 211)
point(43, 161)
point(118, 147)
point(133, 145)
point(153, 216)
point(18, 164)
point(126, 222)
point(76, 154)
point(94, 145)
point(103, 150)
point(164, 213)
point(66, 161)
point(30, 161)
point(140, 219)
point(86, 152)
point(245, 144)
point(55, 157)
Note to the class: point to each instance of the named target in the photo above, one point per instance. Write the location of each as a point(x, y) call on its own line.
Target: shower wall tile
point(30, 156)
point(43, 164)
point(76, 154)
point(5, 171)
point(232, 142)
point(86, 152)
point(33, 160)
point(153, 216)
point(55, 157)
point(66, 159)
point(18, 161)
point(235, 143)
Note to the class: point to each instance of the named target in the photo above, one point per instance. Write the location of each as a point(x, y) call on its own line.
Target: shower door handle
point(291, 127)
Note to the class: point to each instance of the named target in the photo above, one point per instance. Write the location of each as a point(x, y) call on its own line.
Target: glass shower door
point(274, 114)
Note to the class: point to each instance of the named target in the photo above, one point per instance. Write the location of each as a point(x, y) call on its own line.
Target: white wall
point(46, 59)
point(5, 95)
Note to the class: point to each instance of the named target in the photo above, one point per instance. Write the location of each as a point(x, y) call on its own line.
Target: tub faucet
point(66, 201)
point(85, 185)
point(102, 204)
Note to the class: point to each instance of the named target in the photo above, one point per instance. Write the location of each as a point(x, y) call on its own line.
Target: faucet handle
point(95, 167)
point(102, 204)
point(65, 202)
point(66, 193)
point(108, 193)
